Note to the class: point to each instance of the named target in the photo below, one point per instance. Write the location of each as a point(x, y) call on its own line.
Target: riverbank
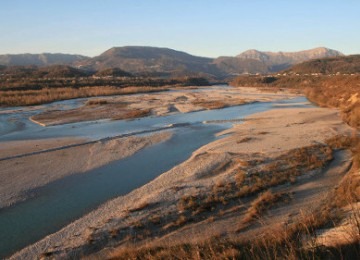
point(263, 175)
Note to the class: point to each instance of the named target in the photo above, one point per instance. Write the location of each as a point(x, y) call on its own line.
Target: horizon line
point(160, 47)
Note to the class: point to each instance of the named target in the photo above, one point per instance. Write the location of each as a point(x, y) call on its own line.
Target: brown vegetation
point(250, 181)
point(245, 192)
point(210, 104)
point(46, 95)
point(293, 240)
point(342, 93)
point(30, 85)
point(264, 201)
point(112, 72)
point(339, 91)
point(290, 243)
point(296, 240)
point(344, 65)
point(348, 190)
point(136, 113)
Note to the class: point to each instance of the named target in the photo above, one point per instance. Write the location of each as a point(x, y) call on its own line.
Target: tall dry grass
point(293, 242)
point(264, 201)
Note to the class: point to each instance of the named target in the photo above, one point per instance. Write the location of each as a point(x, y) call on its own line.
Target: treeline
point(30, 85)
point(59, 76)
point(38, 83)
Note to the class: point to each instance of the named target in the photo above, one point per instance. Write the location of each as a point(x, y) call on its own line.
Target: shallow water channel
point(61, 202)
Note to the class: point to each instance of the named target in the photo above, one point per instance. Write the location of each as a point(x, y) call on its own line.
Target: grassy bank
point(296, 240)
point(226, 198)
point(337, 91)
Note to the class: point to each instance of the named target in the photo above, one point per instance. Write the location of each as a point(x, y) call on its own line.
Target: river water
point(61, 202)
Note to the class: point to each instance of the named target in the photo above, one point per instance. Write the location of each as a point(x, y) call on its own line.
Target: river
point(61, 202)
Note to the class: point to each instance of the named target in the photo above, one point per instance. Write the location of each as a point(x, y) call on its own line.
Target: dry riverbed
point(260, 177)
point(157, 104)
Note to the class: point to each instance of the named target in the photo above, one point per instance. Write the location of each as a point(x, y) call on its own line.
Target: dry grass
point(340, 141)
point(155, 219)
point(296, 240)
point(291, 243)
point(348, 190)
point(180, 221)
point(244, 140)
point(264, 201)
point(216, 104)
point(139, 207)
point(189, 202)
point(340, 91)
point(293, 240)
point(136, 113)
point(283, 169)
point(256, 177)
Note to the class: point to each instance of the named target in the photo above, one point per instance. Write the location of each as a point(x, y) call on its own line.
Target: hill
point(235, 66)
point(254, 61)
point(288, 57)
point(342, 65)
point(151, 61)
point(44, 59)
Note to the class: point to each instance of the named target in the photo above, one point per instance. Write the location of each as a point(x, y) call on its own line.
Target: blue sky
point(201, 27)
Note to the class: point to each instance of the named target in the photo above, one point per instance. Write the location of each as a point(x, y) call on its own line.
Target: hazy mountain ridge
point(236, 66)
point(33, 71)
point(138, 59)
point(268, 62)
point(157, 61)
point(289, 57)
point(43, 59)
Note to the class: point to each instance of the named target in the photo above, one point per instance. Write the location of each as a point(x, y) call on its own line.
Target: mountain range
point(44, 59)
point(254, 61)
point(140, 60)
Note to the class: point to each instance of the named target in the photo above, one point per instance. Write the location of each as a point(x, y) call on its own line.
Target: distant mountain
point(150, 60)
point(254, 61)
point(235, 66)
point(44, 59)
point(154, 61)
point(289, 57)
point(344, 65)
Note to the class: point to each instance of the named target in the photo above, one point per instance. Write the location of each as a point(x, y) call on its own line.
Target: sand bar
point(19, 176)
